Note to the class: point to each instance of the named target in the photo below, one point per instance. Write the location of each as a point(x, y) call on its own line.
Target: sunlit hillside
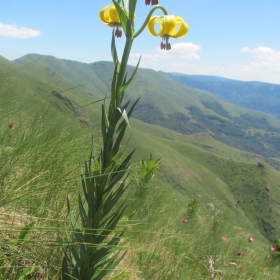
point(218, 183)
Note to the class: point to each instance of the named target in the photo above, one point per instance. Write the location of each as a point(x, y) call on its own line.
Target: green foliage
point(192, 207)
point(230, 131)
point(99, 211)
point(217, 108)
point(25, 233)
point(183, 250)
point(276, 245)
point(148, 169)
point(41, 145)
point(15, 265)
point(98, 214)
point(125, 21)
point(175, 121)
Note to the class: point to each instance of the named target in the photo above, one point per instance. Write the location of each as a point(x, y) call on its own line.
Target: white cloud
point(12, 30)
point(183, 50)
point(179, 50)
point(263, 65)
point(259, 50)
point(265, 57)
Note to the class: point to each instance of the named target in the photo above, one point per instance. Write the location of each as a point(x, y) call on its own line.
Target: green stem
point(127, 49)
point(132, 7)
point(148, 18)
point(123, 65)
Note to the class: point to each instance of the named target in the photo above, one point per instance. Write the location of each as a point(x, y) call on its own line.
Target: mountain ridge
point(199, 164)
point(183, 109)
point(254, 95)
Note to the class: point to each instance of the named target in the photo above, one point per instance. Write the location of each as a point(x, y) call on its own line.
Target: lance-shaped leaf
point(123, 123)
point(124, 115)
point(114, 52)
point(25, 272)
point(123, 88)
point(126, 23)
point(117, 144)
point(103, 123)
point(25, 233)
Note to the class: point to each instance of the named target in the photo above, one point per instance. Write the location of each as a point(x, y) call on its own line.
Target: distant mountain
point(170, 104)
point(259, 96)
point(211, 149)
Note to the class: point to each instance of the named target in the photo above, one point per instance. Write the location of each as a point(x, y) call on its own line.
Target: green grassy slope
point(237, 194)
point(179, 107)
point(43, 138)
point(244, 182)
point(149, 84)
point(76, 72)
point(172, 105)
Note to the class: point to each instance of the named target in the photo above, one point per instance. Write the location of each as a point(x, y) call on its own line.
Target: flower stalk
point(99, 207)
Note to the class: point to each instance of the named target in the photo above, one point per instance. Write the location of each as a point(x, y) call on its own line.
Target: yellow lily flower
point(109, 16)
point(170, 26)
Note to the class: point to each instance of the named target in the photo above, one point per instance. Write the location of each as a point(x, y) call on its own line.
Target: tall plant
point(93, 244)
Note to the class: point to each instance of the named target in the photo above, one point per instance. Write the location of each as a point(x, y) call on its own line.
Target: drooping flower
point(224, 238)
point(250, 239)
point(273, 248)
point(185, 221)
point(120, 182)
point(153, 2)
point(169, 26)
point(109, 16)
point(239, 253)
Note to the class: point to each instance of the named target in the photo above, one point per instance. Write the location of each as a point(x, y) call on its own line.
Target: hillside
point(46, 125)
point(171, 105)
point(183, 109)
point(258, 96)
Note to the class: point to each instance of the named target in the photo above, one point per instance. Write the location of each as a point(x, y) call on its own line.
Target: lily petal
point(170, 25)
point(183, 27)
point(109, 15)
point(151, 25)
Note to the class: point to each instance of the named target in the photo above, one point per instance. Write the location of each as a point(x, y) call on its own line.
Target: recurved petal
point(101, 14)
point(151, 25)
point(168, 25)
point(183, 28)
point(109, 15)
point(113, 14)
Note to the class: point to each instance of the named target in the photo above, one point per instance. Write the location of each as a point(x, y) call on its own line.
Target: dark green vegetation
point(235, 131)
point(47, 117)
point(252, 95)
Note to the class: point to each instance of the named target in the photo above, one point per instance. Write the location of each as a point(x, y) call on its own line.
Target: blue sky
point(235, 39)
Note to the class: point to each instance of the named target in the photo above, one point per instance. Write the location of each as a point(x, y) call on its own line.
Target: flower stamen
point(169, 26)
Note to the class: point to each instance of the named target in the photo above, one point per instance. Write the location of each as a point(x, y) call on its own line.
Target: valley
point(212, 151)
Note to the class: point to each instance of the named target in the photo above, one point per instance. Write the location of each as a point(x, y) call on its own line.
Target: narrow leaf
point(114, 51)
point(103, 123)
point(124, 115)
point(25, 233)
point(123, 123)
point(126, 23)
point(123, 88)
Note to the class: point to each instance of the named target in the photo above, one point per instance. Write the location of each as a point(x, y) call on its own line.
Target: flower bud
point(153, 2)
